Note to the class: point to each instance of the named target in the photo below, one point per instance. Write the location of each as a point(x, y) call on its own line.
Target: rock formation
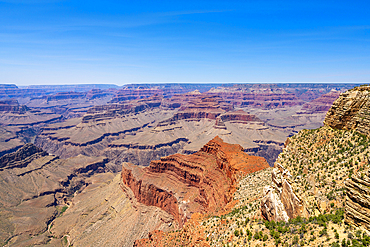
point(321, 104)
point(12, 105)
point(145, 129)
point(271, 206)
point(282, 203)
point(186, 184)
point(357, 205)
point(351, 111)
point(297, 178)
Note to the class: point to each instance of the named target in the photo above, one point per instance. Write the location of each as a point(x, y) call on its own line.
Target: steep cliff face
point(351, 111)
point(282, 203)
point(271, 206)
point(186, 184)
point(309, 173)
point(357, 204)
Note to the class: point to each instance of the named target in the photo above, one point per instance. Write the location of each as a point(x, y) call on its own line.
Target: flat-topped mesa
point(266, 99)
point(185, 184)
point(98, 93)
point(351, 111)
point(203, 106)
point(239, 116)
point(126, 94)
point(12, 105)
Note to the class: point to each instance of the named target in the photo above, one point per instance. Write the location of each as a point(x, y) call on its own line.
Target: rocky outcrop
point(351, 111)
point(185, 184)
point(271, 206)
point(12, 105)
point(357, 204)
point(281, 202)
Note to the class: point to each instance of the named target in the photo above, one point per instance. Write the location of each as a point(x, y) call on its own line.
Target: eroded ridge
point(186, 184)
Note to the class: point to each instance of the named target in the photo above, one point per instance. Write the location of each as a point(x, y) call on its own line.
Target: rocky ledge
point(351, 111)
point(281, 203)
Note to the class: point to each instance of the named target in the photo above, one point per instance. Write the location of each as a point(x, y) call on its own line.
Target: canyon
point(34, 185)
point(139, 129)
point(161, 164)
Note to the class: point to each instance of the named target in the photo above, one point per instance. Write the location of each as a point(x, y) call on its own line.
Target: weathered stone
point(351, 111)
point(282, 201)
point(186, 184)
point(357, 205)
point(271, 206)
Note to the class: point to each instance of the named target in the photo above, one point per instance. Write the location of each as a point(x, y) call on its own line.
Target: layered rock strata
point(351, 111)
point(271, 206)
point(321, 104)
point(186, 184)
point(12, 105)
point(357, 204)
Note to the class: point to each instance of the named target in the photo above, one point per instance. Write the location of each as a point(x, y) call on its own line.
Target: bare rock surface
point(351, 111)
point(271, 206)
point(186, 184)
point(357, 204)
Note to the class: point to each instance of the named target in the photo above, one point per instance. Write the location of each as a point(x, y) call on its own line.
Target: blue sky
point(67, 42)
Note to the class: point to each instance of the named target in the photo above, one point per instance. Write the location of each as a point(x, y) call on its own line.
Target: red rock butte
point(202, 182)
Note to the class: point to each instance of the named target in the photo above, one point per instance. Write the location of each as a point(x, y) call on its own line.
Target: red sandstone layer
point(186, 184)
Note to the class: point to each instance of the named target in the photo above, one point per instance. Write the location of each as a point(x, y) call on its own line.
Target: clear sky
point(64, 42)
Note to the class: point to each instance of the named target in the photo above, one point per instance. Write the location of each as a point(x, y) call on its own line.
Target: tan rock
point(357, 205)
point(351, 111)
point(271, 206)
